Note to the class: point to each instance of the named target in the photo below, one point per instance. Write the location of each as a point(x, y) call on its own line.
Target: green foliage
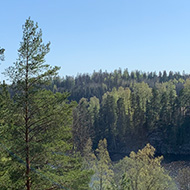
point(141, 113)
point(107, 120)
point(142, 171)
point(153, 109)
point(123, 184)
point(82, 125)
point(100, 163)
point(98, 83)
point(104, 166)
point(89, 158)
point(37, 139)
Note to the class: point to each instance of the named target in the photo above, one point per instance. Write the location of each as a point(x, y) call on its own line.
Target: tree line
point(98, 83)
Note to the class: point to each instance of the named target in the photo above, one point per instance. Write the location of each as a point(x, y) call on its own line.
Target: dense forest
point(65, 133)
point(98, 83)
point(130, 109)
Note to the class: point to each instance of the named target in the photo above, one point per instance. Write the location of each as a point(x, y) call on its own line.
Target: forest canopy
point(130, 109)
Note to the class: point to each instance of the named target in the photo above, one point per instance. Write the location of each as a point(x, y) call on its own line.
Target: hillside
point(130, 110)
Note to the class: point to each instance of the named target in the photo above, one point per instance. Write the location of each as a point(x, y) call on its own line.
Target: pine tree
point(82, 125)
point(121, 121)
point(153, 110)
point(39, 141)
point(107, 122)
point(5, 106)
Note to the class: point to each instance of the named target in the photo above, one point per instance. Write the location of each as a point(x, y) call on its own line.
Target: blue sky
point(88, 35)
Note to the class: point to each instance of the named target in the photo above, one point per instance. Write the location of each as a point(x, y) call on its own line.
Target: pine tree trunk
point(27, 159)
point(27, 130)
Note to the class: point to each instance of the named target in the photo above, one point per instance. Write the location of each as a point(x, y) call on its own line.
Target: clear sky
point(88, 35)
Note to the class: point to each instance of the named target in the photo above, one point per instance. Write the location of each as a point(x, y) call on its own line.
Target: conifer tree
point(107, 122)
point(153, 110)
point(121, 120)
point(82, 125)
point(39, 141)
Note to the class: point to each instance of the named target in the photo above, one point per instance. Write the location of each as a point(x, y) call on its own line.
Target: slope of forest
point(130, 110)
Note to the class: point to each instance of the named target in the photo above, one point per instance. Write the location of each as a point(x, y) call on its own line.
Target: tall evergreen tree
point(82, 125)
point(121, 121)
point(153, 110)
point(107, 123)
point(39, 141)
